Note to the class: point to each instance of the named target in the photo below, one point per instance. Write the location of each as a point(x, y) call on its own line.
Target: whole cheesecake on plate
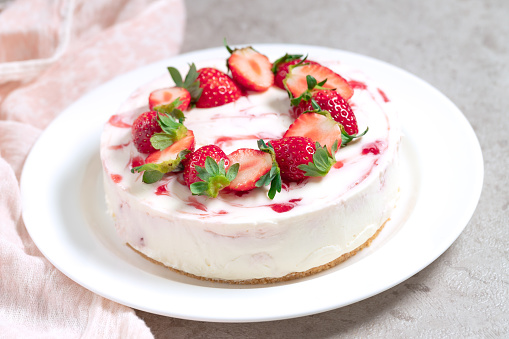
point(252, 171)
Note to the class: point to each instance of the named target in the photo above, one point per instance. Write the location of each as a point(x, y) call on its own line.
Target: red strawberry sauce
point(137, 161)
point(116, 121)
point(384, 96)
point(357, 84)
point(285, 206)
point(374, 148)
point(116, 178)
point(115, 147)
point(162, 190)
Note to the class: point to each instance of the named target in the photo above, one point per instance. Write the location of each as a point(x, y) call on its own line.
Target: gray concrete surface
point(461, 48)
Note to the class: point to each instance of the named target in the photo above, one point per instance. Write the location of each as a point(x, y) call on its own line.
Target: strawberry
point(334, 103)
point(205, 171)
point(152, 131)
point(187, 90)
point(253, 165)
point(296, 80)
point(250, 69)
point(166, 160)
point(318, 127)
point(281, 65)
point(142, 130)
point(217, 88)
point(298, 157)
point(165, 96)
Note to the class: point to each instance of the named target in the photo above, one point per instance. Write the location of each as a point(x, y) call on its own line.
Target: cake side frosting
point(248, 236)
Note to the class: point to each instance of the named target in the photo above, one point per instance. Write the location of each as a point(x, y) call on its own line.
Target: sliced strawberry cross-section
point(167, 160)
point(297, 83)
point(250, 69)
point(165, 96)
point(253, 165)
point(320, 128)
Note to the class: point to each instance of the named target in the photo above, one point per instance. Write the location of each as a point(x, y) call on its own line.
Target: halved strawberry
point(166, 160)
point(253, 165)
point(208, 170)
point(296, 81)
point(281, 66)
point(217, 88)
point(250, 69)
point(165, 96)
point(320, 128)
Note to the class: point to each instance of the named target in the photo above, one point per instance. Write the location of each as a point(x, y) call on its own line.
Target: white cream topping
point(239, 237)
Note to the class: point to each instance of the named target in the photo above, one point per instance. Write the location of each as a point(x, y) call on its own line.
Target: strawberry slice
point(250, 69)
point(167, 160)
point(320, 128)
point(281, 66)
point(253, 165)
point(207, 171)
point(217, 88)
point(297, 84)
point(165, 96)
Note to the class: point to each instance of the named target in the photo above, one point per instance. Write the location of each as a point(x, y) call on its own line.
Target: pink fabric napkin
point(51, 53)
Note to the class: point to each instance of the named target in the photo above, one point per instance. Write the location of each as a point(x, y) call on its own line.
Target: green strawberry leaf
point(214, 177)
point(190, 83)
point(322, 161)
point(150, 177)
point(154, 171)
point(175, 75)
point(232, 172)
point(285, 58)
point(273, 177)
point(311, 81)
point(161, 140)
point(171, 110)
point(172, 132)
point(346, 138)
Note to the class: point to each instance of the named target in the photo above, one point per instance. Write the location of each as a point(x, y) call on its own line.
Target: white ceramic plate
point(64, 209)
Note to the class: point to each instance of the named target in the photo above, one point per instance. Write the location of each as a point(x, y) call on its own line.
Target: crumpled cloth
point(51, 53)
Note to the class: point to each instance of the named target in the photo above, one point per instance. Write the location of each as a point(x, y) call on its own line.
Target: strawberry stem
point(272, 177)
point(322, 162)
point(214, 177)
point(346, 138)
point(154, 171)
point(191, 84)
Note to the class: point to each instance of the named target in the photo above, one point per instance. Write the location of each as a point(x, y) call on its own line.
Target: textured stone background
point(461, 48)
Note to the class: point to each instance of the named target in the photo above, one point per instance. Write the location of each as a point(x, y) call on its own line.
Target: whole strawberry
point(292, 152)
point(143, 128)
point(334, 103)
point(217, 88)
point(297, 158)
point(207, 171)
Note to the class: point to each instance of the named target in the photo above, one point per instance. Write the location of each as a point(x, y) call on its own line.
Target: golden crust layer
point(288, 277)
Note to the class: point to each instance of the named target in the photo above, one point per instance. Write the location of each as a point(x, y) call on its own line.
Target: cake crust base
point(263, 281)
